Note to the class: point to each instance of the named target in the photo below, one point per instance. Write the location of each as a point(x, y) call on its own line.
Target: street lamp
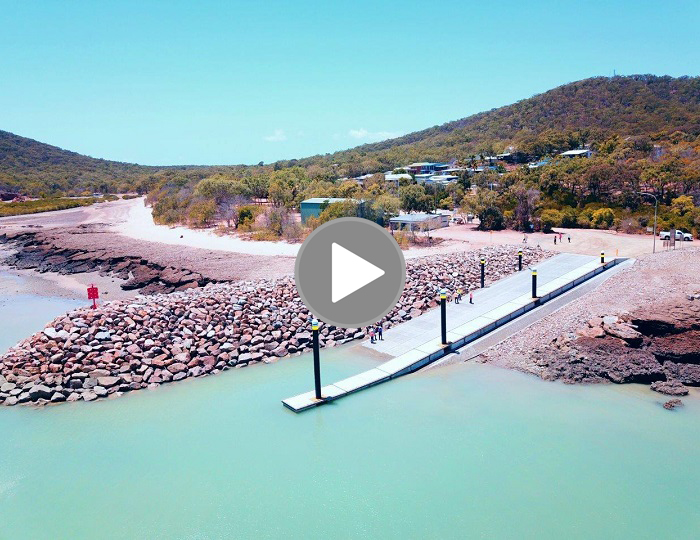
point(317, 360)
point(443, 315)
point(656, 206)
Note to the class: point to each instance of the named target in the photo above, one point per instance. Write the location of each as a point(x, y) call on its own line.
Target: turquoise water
point(456, 452)
point(22, 314)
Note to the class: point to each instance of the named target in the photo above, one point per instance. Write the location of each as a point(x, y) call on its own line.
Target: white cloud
point(278, 136)
point(365, 135)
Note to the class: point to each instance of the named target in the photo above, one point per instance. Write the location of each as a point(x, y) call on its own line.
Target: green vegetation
point(47, 205)
point(644, 131)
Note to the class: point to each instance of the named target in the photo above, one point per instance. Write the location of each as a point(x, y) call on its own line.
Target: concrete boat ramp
point(413, 348)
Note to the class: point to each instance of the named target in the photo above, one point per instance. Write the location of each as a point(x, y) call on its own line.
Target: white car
point(680, 235)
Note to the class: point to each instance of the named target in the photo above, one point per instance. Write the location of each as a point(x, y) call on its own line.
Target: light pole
point(443, 315)
point(317, 360)
point(656, 206)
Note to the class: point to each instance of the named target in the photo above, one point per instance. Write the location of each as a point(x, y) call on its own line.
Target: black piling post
point(520, 260)
point(602, 257)
point(534, 283)
point(317, 359)
point(443, 315)
point(483, 264)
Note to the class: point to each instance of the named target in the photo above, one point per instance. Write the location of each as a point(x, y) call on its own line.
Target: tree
point(447, 203)
point(287, 185)
point(201, 213)
point(228, 194)
point(491, 219)
point(386, 206)
point(526, 199)
point(338, 210)
point(682, 205)
point(414, 199)
point(258, 186)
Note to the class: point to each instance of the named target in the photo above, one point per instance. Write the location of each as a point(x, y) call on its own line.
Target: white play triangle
point(350, 272)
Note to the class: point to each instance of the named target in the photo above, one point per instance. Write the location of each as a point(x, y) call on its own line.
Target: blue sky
point(238, 82)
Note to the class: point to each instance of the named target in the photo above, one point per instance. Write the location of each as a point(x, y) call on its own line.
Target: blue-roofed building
point(312, 207)
point(425, 167)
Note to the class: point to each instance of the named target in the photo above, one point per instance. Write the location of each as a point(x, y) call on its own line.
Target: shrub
point(603, 218)
point(550, 218)
point(584, 222)
point(569, 217)
point(402, 239)
point(265, 235)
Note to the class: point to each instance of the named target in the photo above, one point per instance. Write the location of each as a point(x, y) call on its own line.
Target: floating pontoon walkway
point(493, 307)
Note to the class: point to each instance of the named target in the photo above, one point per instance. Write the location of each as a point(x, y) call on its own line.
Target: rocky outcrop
point(658, 346)
point(44, 255)
point(670, 388)
point(599, 360)
point(155, 339)
point(672, 404)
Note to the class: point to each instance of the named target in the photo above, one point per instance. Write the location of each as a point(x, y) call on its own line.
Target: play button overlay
point(350, 272)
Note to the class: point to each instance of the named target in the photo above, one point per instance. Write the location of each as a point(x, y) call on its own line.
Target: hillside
point(35, 168)
point(584, 112)
point(30, 166)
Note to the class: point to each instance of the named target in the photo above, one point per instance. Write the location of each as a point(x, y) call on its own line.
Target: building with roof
point(423, 178)
point(396, 178)
point(419, 221)
point(425, 167)
point(581, 152)
point(442, 179)
point(313, 207)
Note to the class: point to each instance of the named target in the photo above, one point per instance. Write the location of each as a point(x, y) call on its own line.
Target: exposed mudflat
point(151, 266)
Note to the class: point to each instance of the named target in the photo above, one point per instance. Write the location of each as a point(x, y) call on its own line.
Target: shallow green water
point(456, 452)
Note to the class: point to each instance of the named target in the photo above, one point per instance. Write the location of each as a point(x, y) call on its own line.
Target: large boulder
point(39, 391)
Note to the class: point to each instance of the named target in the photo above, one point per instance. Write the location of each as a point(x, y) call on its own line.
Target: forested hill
point(33, 167)
point(583, 112)
point(643, 107)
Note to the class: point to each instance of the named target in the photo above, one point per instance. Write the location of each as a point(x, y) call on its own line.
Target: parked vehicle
point(680, 235)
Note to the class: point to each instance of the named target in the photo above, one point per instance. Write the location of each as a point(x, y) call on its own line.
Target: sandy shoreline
point(58, 285)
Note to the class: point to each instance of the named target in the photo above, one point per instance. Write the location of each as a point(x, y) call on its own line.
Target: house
point(312, 207)
point(420, 221)
point(538, 164)
point(423, 178)
point(425, 167)
point(581, 152)
point(361, 179)
point(396, 178)
point(443, 179)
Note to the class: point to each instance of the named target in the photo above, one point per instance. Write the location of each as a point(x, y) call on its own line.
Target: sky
point(229, 82)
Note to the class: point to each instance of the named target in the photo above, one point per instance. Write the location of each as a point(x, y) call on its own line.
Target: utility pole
point(656, 208)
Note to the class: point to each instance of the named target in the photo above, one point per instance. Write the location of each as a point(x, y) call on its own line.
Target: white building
point(582, 152)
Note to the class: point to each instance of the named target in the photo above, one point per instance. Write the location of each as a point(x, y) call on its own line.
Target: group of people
point(561, 238)
point(458, 297)
point(376, 333)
